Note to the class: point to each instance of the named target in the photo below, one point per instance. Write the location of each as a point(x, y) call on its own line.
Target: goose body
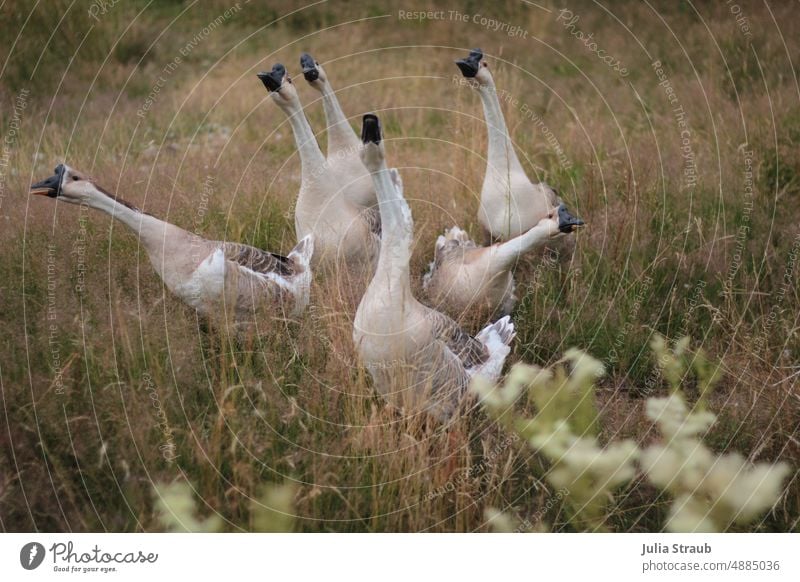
point(462, 278)
point(342, 230)
point(251, 276)
point(205, 274)
point(419, 358)
point(510, 203)
point(465, 279)
point(343, 144)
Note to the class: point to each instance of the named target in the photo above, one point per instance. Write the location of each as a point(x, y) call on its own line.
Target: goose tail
point(497, 338)
point(455, 234)
point(459, 235)
point(301, 257)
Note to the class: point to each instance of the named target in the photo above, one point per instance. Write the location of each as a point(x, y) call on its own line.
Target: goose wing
point(454, 246)
point(372, 217)
point(470, 351)
point(446, 364)
point(259, 261)
point(444, 373)
point(257, 278)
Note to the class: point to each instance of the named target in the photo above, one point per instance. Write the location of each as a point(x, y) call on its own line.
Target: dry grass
point(213, 155)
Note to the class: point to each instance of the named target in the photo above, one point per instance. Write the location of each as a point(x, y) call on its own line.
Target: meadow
point(670, 128)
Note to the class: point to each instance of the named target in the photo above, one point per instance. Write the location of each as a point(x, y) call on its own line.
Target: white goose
point(205, 274)
point(465, 279)
point(343, 143)
point(419, 358)
point(510, 203)
point(342, 230)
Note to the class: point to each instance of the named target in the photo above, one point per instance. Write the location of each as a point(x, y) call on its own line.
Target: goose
point(204, 274)
point(343, 143)
point(467, 279)
point(510, 203)
point(342, 230)
point(419, 358)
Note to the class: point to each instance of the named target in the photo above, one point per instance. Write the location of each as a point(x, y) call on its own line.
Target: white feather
point(206, 284)
point(496, 337)
point(301, 283)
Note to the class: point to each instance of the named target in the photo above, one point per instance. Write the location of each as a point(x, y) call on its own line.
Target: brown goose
point(343, 143)
point(467, 279)
point(204, 274)
point(511, 204)
point(418, 357)
point(342, 230)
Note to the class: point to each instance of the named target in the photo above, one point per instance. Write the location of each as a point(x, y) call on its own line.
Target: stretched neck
point(340, 134)
point(311, 159)
point(397, 230)
point(501, 157)
point(150, 230)
point(505, 255)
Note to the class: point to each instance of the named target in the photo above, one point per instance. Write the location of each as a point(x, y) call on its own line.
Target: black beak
point(470, 66)
point(371, 129)
point(274, 79)
point(51, 186)
point(309, 66)
point(566, 222)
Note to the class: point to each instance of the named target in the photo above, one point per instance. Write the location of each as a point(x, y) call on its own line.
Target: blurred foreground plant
point(564, 431)
point(710, 492)
point(177, 510)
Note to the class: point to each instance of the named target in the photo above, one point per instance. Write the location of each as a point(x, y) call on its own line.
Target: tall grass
point(95, 353)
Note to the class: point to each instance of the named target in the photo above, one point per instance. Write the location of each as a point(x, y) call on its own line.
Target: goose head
point(66, 184)
point(313, 71)
point(559, 222)
point(566, 222)
point(372, 153)
point(279, 85)
point(474, 67)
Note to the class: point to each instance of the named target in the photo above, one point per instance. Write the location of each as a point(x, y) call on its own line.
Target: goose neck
point(397, 230)
point(311, 158)
point(509, 252)
point(501, 155)
point(150, 230)
point(340, 134)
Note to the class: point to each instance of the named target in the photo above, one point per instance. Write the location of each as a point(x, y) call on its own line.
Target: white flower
point(555, 442)
point(687, 515)
point(176, 508)
point(673, 417)
point(710, 492)
point(661, 464)
point(746, 490)
point(585, 369)
point(615, 465)
point(728, 485)
point(576, 459)
point(498, 521)
point(500, 398)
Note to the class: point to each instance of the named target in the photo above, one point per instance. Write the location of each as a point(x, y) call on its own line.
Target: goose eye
point(75, 178)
